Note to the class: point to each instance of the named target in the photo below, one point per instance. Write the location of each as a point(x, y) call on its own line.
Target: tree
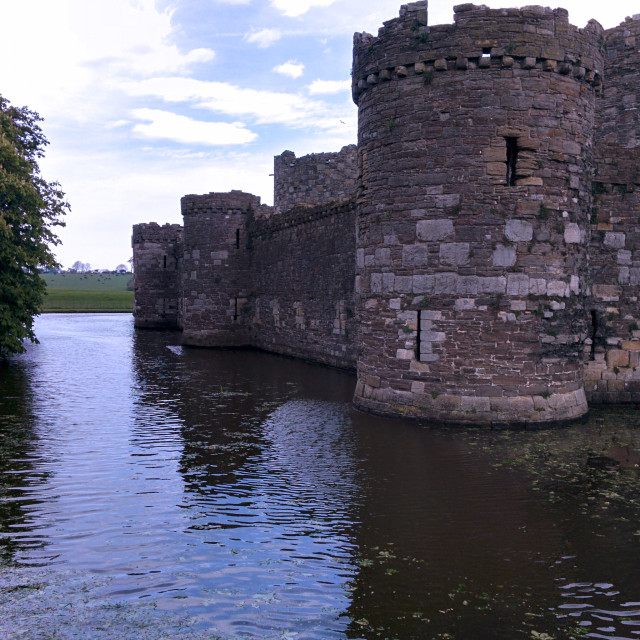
point(30, 210)
point(122, 268)
point(80, 267)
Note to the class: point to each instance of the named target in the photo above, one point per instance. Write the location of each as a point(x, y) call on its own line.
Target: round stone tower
point(475, 156)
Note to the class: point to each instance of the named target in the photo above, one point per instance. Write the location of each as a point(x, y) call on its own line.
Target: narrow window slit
point(486, 53)
point(512, 160)
point(235, 310)
point(418, 336)
point(165, 262)
point(594, 331)
point(237, 238)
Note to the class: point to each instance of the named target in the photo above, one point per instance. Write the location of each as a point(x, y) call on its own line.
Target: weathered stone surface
point(518, 230)
point(434, 230)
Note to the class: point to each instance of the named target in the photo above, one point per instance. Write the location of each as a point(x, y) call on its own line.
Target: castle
point(476, 258)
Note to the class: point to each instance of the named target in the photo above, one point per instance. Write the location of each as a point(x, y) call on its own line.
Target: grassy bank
point(88, 292)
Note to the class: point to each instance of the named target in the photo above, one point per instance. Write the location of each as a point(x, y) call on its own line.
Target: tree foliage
point(30, 210)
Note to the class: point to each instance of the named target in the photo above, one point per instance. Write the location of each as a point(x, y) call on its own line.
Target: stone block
point(631, 345)
point(517, 284)
point(496, 154)
point(537, 286)
point(617, 358)
point(414, 255)
point(417, 387)
point(572, 233)
point(492, 284)
point(388, 282)
point(624, 257)
point(423, 284)
point(383, 256)
point(471, 403)
point(405, 354)
point(465, 304)
point(432, 336)
point(434, 230)
point(614, 239)
point(556, 289)
point(518, 230)
point(403, 284)
point(445, 283)
point(504, 256)
point(467, 285)
point(454, 253)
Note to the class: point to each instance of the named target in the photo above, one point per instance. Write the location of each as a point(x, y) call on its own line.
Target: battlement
point(480, 38)
point(153, 232)
point(314, 179)
point(219, 203)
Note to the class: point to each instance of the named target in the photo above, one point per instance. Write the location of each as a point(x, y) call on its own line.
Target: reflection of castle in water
point(476, 257)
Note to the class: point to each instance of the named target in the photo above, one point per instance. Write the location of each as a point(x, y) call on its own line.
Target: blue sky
point(145, 101)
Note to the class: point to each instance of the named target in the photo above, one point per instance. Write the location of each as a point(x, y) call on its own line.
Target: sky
point(145, 101)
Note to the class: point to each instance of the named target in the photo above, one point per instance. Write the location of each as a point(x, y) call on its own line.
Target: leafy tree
point(80, 267)
point(30, 209)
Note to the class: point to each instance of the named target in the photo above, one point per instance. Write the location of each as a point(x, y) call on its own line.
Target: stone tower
point(157, 255)
point(475, 144)
point(216, 278)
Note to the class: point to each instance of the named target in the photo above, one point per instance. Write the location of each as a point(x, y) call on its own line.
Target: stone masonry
point(476, 258)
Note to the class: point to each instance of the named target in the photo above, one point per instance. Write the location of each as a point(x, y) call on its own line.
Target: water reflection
point(150, 490)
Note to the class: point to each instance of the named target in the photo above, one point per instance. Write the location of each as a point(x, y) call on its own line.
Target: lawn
point(87, 292)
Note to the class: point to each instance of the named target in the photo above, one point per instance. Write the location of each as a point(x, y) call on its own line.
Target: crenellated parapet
point(481, 38)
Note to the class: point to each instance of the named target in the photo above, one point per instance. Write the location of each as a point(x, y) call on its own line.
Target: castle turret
point(157, 255)
point(216, 279)
point(474, 149)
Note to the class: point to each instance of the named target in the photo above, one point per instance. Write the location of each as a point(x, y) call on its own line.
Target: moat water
point(154, 491)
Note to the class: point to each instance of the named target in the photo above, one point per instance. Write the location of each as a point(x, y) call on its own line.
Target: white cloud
point(263, 107)
point(294, 8)
point(264, 37)
point(318, 87)
point(170, 126)
point(290, 68)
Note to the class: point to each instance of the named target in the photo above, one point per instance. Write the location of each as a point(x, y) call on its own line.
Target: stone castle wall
point(612, 349)
point(476, 257)
point(315, 179)
point(303, 277)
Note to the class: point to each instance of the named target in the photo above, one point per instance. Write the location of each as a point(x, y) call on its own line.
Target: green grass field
point(87, 292)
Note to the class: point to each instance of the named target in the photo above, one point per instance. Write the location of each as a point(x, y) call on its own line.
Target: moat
point(153, 491)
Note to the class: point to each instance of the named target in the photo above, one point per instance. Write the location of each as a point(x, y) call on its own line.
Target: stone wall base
point(472, 410)
point(215, 338)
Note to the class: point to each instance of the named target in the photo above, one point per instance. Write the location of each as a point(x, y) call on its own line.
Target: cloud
point(318, 87)
point(264, 37)
point(294, 8)
point(290, 68)
point(263, 107)
point(170, 126)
